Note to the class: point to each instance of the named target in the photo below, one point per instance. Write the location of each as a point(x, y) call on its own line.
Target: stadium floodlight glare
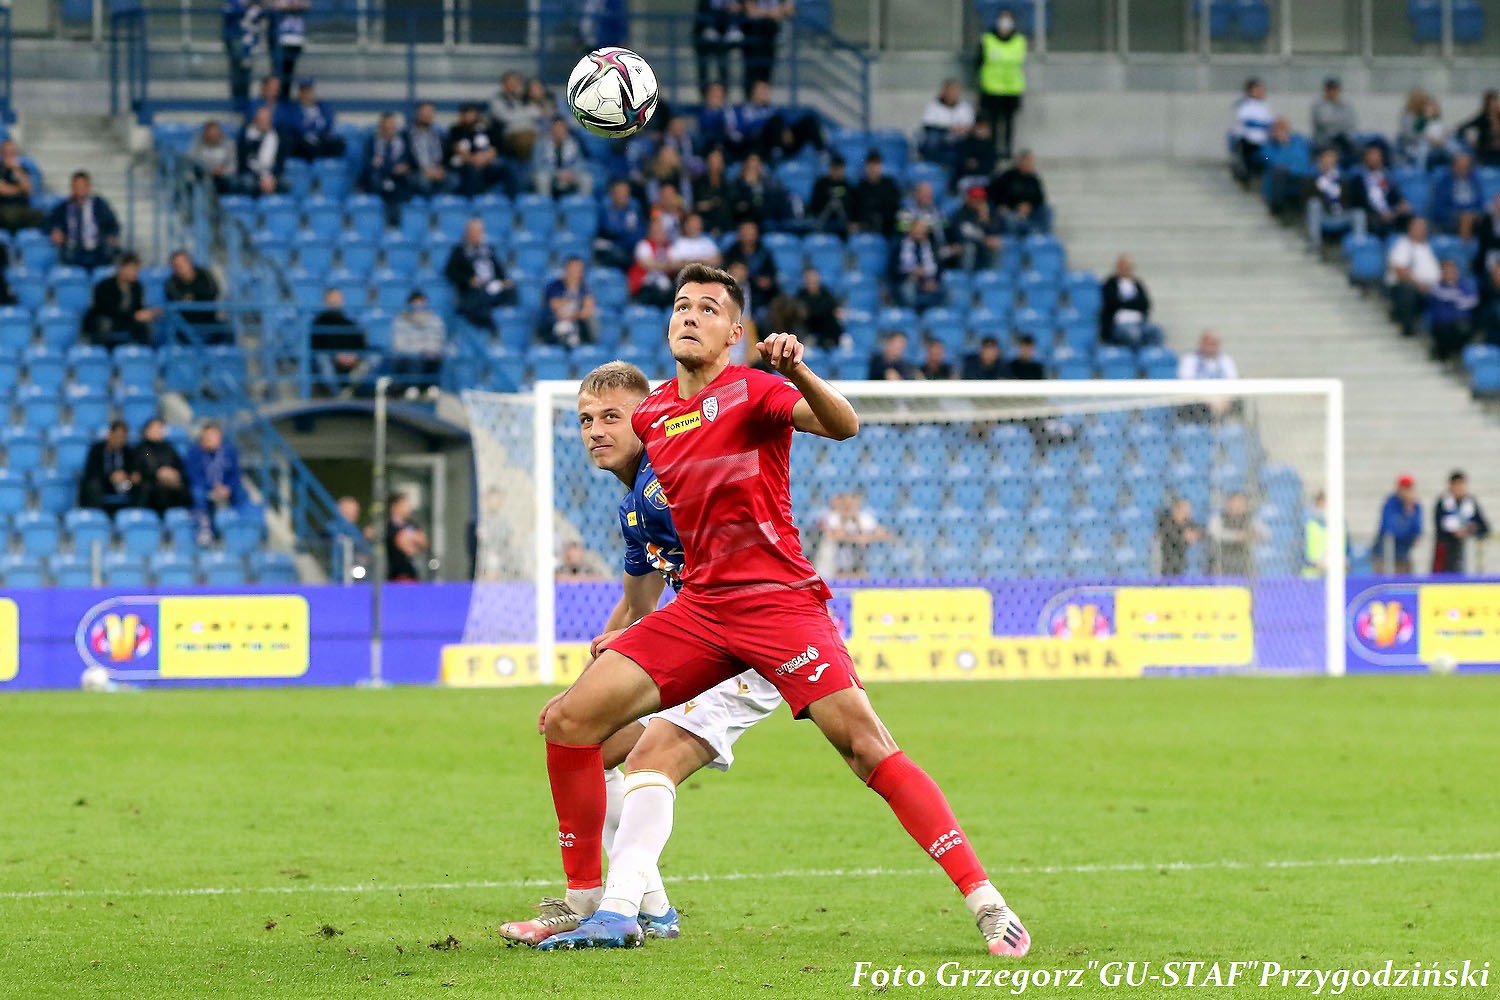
point(1063, 483)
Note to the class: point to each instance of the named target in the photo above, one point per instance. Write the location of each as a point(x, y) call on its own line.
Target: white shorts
point(720, 715)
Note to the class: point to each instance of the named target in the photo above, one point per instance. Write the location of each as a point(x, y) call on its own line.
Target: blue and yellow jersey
point(651, 543)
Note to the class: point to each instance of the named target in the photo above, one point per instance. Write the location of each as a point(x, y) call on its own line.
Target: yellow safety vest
point(1003, 68)
point(1316, 547)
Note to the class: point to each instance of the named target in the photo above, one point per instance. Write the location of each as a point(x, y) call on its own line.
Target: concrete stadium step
point(1211, 257)
point(62, 144)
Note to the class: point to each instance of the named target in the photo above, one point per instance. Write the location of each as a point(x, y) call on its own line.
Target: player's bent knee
point(867, 748)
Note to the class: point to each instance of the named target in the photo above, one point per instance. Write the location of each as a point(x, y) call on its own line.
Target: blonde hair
point(614, 375)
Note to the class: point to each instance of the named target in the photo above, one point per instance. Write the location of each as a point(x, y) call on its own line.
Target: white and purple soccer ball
point(612, 92)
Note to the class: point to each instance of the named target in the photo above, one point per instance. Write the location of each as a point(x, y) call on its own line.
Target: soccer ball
point(95, 678)
point(612, 92)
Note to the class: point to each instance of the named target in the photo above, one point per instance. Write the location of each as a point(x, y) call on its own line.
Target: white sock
point(584, 901)
point(614, 791)
point(982, 896)
point(655, 901)
point(645, 825)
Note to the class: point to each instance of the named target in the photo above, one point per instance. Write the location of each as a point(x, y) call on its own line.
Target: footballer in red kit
point(719, 438)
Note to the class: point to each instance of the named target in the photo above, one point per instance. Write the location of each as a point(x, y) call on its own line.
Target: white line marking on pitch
point(1133, 866)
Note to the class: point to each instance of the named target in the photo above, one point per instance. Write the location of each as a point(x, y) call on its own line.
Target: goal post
point(1019, 528)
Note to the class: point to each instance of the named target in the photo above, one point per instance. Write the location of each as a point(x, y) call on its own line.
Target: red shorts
point(785, 636)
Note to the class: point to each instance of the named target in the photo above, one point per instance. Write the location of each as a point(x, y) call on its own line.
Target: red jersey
point(724, 460)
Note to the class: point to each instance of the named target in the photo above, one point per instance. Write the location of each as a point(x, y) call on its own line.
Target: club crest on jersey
point(655, 495)
point(684, 423)
point(710, 408)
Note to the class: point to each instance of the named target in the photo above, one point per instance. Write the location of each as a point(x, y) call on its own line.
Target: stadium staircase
point(61, 144)
point(1210, 258)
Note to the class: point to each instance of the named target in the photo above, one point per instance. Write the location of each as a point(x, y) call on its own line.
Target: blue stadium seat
point(296, 175)
point(136, 406)
point(1116, 362)
point(536, 214)
point(325, 217)
point(332, 177)
point(15, 329)
point(1041, 291)
point(13, 488)
point(366, 216)
point(1083, 291)
point(241, 528)
point(275, 568)
point(139, 530)
point(38, 531)
point(580, 215)
point(70, 288)
point(23, 448)
point(91, 365)
point(58, 327)
point(124, 569)
point(69, 445)
point(356, 253)
point(277, 216)
point(498, 215)
point(1158, 363)
point(219, 568)
point(1045, 254)
point(416, 220)
point(1366, 255)
point(55, 489)
point(41, 407)
point(996, 291)
point(180, 525)
point(871, 252)
point(87, 528)
point(861, 292)
point(171, 568)
point(70, 570)
point(21, 571)
point(35, 250)
point(798, 177)
point(314, 252)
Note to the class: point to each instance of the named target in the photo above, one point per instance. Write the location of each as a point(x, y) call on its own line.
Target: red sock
point(577, 776)
point(919, 804)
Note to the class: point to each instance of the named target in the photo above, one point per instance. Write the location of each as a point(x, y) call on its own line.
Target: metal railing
point(160, 57)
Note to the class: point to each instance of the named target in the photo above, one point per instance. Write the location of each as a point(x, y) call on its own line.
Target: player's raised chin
point(705, 324)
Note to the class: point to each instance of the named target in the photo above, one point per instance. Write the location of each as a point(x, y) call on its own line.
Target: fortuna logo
point(684, 423)
point(710, 408)
point(800, 660)
point(945, 843)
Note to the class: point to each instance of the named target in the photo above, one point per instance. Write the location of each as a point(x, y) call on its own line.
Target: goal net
point(971, 529)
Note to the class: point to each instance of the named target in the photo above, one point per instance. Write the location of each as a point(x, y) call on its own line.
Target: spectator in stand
point(665, 169)
point(478, 278)
point(1374, 195)
point(1334, 124)
point(875, 200)
point(694, 246)
point(935, 364)
point(570, 314)
point(747, 249)
point(474, 154)
point(1457, 517)
point(748, 126)
point(338, 344)
point(1208, 361)
point(190, 283)
point(515, 116)
point(1233, 532)
point(974, 158)
point(213, 476)
point(578, 563)
point(83, 227)
point(1252, 129)
point(419, 342)
point(118, 313)
point(986, 364)
point(1412, 271)
point(670, 208)
point(291, 37)
point(820, 309)
point(404, 541)
point(543, 102)
point(831, 205)
point(947, 121)
point(428, 142)
point(1176, 534)
point(621, 227)
point(713, 195)
point(1019, 194)
point(262, 154)
point(558, 166)
point(1400, 528)
point(1411, 140)
point(389, 169)
point(711, 42)
point(15, 190)
point(977, 231)
point(761, 24)
point(310, 125)
point(241, 33)
point(1487, 318)
point(1457, 201)
point(752, 307)
point(110, 475)
point(1125, 308)
point(650, 277)
point(921, 205)
point(1482, 132)
point(1002, 79)
point(7, 297)
point(272, 96)
point(713, 117)
point(679, 136)
point(1286, 159)
point(1326, 200)
point(1488, 254)
point(917, 269)
point(889, 364)
point(1024, 366)
point(846, 530)
point(757, 196)
point(1450, 312)
point(163, 477)
point(214, 157)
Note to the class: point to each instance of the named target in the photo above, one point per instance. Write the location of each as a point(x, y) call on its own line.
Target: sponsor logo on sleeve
point(655, 495)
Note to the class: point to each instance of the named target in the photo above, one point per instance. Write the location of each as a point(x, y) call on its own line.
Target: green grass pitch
point(346, 843)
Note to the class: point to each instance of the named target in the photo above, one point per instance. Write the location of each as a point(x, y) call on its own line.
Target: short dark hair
point(81, 175)
point(704, 274)
point(129, 257)
point(873, 156)
point(1251, 83)
point(118, 425)
point(416, 293)
point(1456, 475)
point(990, 341)
point(1026, 340)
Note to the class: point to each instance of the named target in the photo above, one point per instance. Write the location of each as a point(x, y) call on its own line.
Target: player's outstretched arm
point(823, 410)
